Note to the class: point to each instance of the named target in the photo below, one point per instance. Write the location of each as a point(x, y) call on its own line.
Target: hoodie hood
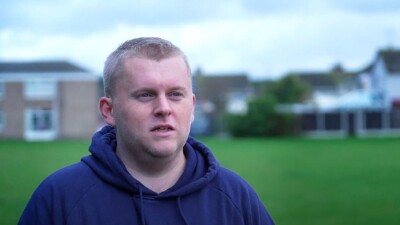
point(201, 166)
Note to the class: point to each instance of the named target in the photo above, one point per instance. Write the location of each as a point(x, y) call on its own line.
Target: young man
point(144, 168)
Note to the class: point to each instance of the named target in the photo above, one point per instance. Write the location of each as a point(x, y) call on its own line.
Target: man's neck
point(157, 175)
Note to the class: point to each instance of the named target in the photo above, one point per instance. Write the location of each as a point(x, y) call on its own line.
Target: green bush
point(262, 123)
point(260, 119)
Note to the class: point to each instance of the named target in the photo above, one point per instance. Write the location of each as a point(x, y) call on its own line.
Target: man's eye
point(144, 96)
point(176, 93)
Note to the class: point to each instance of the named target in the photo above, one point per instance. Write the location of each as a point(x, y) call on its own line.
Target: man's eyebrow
point(178, 88)
point(150, 89)
point(142, 89)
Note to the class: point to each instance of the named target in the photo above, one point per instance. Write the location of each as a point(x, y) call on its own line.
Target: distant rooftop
point(317, 79)
point(39, 67)
point(391, 57)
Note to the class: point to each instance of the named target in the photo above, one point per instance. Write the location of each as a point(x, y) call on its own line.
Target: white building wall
point(393, 87)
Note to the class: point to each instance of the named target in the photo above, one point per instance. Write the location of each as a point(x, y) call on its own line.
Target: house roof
point(317, 79)
point(231, 81)
point(212, 87)
point(391, 58)
point(211, 84)
point(39, 67)
point(329, 79)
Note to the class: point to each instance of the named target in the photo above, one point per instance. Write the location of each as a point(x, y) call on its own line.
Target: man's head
point(149, 98)
point(145, 47)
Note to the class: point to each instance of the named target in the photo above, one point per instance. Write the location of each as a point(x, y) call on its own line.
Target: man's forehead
point(146, 63)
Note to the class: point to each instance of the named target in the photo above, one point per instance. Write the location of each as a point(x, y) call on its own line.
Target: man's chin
point(164, 150)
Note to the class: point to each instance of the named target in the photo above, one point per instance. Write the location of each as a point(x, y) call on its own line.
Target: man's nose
point(162, 106)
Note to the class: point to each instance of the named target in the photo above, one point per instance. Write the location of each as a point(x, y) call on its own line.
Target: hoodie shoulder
point(231, 183)
point(242, 196)
point(68, 177)
point(57, 195)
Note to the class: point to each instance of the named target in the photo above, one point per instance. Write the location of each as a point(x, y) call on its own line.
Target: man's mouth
point(162, 128)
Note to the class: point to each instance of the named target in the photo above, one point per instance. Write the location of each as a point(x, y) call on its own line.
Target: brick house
point(48, 100)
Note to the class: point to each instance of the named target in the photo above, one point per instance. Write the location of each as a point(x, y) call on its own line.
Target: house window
point(40, 124)
point(40, 120)
point(39, 89)
point(2, 121)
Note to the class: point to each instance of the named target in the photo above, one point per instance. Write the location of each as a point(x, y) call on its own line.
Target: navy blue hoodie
point(99, 190)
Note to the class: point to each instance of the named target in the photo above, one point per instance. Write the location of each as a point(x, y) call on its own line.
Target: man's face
point(153, 106)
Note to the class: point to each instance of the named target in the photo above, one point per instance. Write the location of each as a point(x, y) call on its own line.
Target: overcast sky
point(263, 38)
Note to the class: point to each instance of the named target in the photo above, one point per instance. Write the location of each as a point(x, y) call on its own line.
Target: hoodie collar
point(201, 166)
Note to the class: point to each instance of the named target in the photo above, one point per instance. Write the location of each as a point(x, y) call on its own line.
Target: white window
point(41, 120)
point(39, 89)
point(39, 124)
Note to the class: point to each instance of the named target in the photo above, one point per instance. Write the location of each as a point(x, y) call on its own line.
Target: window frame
point(40, 89)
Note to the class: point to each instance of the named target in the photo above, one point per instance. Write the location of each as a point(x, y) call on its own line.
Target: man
point(144, 168)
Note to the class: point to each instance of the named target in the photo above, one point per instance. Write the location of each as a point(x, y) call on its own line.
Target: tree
point(262, 119)
point(290, 89)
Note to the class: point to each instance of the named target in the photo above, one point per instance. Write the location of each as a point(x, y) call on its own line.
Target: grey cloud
point(87, 16)
point(367, 6)
point(81, 17)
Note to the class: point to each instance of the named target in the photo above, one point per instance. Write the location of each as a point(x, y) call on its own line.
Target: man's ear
point(194, 105)
point(106, 110)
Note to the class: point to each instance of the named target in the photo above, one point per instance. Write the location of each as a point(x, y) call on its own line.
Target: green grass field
point(301, 181)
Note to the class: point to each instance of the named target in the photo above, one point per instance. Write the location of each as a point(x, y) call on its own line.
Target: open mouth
point(162, 128)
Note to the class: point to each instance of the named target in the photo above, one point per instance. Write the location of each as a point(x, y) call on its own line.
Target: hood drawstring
point(181, 211)
point(141, 206)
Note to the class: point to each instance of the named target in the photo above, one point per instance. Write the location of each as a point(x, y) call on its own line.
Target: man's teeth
point(163, 128)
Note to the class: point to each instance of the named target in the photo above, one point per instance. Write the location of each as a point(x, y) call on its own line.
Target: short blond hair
point(147, 47)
